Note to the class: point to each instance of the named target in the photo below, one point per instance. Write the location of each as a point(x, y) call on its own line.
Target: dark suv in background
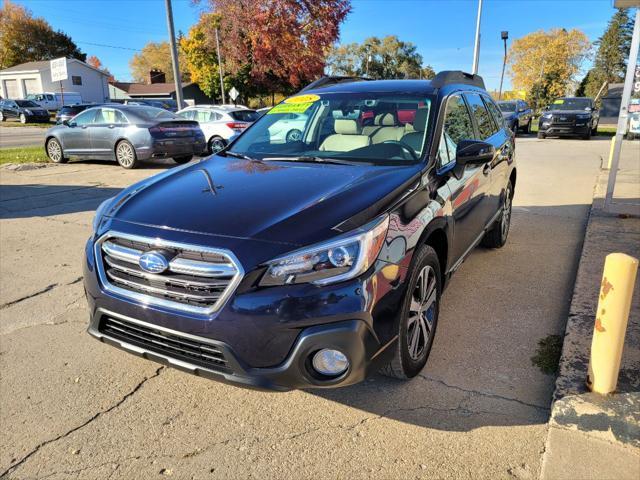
point(517, 115)
point(313, 261)
point(569, 116)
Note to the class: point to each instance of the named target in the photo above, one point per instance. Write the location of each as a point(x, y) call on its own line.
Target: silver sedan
point(126, 134)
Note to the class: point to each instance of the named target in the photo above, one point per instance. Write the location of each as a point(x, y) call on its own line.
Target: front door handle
point(112, 126)
point(486, 169)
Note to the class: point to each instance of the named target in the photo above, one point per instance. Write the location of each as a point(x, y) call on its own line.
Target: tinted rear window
point(245, 115)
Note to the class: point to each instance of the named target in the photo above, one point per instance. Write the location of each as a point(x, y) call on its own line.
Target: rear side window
point(457, 126)
point(245, 115)
point(205, 116)
point(187, 114)
point(486, 127)
point(495, 112)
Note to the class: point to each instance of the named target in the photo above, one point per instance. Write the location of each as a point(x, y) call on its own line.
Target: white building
point(35, 77)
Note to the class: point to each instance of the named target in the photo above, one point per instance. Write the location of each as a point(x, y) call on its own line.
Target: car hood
point(283, 202)
point(568, 112)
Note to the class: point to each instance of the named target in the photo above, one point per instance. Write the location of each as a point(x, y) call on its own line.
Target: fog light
point(330, 362)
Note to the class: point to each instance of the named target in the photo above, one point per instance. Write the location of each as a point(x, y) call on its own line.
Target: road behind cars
point(20, 136)
point(72, 406)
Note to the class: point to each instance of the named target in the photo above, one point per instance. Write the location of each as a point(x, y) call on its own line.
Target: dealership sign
point(58, 69)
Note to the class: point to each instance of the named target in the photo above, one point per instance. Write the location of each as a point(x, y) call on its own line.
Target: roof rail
point(447, 77)
point(332, 80)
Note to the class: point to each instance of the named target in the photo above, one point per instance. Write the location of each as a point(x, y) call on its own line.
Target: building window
point(76, 79)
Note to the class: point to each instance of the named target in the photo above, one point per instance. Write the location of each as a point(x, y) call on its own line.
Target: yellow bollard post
point(613, 145)
point(614, 303)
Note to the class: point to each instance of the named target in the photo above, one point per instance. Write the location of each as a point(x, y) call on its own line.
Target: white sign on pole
point(233, 93)
point(58, 68)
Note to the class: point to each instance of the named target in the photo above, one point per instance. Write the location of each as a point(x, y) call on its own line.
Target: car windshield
point(571, 104)
point(378, 128)
point(26, 103)
point(245, 115)
point(507, 106)
point(153, 113)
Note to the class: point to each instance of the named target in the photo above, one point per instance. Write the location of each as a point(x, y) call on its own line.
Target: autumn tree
point(25, 38)
point(545, 63)
point(611, 56)
point(155, 56)
point(387, 57)
point(96, 63)
point(270, 45)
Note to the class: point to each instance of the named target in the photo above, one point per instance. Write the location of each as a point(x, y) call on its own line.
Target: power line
point(108, 46)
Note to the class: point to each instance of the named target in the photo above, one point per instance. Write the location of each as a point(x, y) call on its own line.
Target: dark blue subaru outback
point(314, 259)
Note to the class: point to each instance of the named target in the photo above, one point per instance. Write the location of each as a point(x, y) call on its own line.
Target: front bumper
point(578, 129)
point(351, 337)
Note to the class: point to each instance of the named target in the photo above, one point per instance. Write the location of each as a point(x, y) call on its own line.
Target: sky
point(442, 30)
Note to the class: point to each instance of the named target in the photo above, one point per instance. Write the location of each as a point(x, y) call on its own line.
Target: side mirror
point(474, 152)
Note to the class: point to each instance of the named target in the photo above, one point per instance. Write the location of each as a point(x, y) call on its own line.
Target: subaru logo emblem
point(153, 262)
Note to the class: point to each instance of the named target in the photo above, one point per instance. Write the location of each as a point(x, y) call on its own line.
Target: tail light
point(237, 125)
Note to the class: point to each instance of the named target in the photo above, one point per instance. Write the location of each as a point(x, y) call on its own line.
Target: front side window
point(49, 97)
point(352, 126)
point(204, 116)
point(486, 128)
point(457, 127)
point(187, 114)
point(26, 104)
point(85, 118)
point(110, 116)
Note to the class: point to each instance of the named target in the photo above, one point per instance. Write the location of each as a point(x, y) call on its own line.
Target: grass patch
point(34, 154)
point(547, 358)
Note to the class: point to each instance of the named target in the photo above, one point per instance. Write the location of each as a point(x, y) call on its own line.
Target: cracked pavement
point(71, 407)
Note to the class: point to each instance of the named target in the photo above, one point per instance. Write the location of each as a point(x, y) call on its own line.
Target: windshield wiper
point(312, 159)
point(236, 155)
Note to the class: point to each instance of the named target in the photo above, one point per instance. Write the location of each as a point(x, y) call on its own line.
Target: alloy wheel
point(422, 311)
point(54, 151)
point(125, 154)
point(216, 144)
point(506, 213)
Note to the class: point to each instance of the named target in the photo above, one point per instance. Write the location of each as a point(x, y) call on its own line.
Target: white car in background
point(288, 129)
point(220, 122)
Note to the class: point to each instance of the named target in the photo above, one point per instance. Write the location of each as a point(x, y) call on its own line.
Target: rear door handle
point(486, 169)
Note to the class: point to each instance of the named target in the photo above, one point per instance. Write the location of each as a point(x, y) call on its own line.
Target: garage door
point(11, 89)
point(30, 86)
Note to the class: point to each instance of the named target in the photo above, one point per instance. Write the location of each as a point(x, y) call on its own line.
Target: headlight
point(340, 259)
point(100, 211)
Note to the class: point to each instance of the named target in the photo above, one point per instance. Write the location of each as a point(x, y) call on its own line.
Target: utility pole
point(504, 35)
point(220, 67)
point(174, 55)
point(476, 48)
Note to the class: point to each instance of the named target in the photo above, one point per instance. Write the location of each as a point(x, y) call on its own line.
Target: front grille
point(196, 279)
point(564, 119)
point(190, 350)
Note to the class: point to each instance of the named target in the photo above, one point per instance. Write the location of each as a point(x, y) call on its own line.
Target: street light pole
point(504, 35)
point(220, 67)
point(476, 48)
point(174, 55)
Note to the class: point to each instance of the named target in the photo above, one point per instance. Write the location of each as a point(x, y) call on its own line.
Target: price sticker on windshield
point(309, 98)
point(290, 108)
point(559, 101)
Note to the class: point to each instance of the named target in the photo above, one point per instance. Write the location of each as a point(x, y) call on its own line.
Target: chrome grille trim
point(223, 277)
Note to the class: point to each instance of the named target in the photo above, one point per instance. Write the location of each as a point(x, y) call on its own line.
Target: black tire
point(594, 130)
point(406, 364)
point(497, 236)
point(54, 151)
point(292, 136)
point(23, 118)
point(216, 144)
point(181, 160)
point(126, 155)
point(527, 129)
point(541, 135)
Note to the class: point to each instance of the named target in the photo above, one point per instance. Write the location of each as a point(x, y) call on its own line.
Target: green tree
point(155, 56)
point(25, 38)
point(611, 56)
point(378, 58)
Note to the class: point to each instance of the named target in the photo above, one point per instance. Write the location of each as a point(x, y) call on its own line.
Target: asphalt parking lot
point(72, 407)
